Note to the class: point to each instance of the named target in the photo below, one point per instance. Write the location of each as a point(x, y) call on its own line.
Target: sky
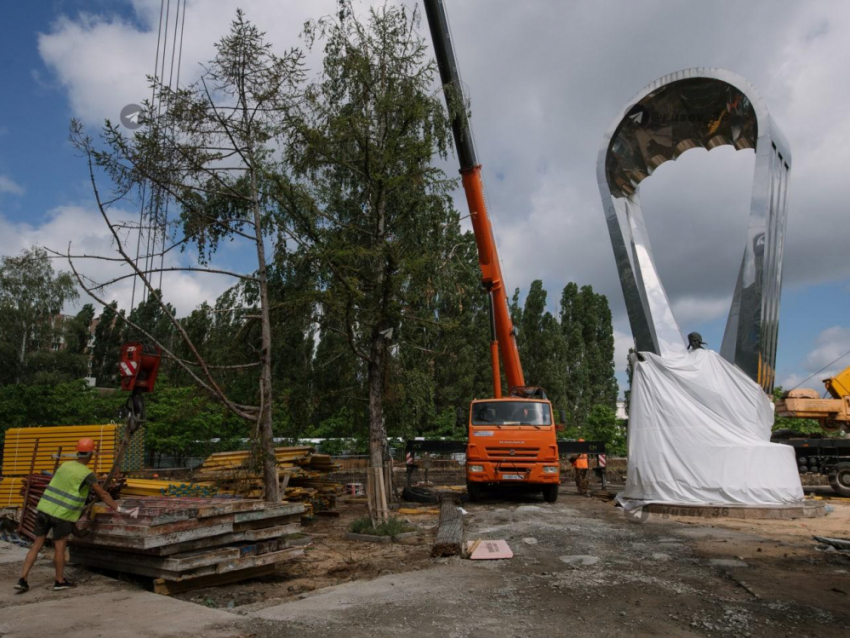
point(545, 78)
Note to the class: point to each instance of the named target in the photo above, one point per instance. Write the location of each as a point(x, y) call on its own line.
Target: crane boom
point(503, 338)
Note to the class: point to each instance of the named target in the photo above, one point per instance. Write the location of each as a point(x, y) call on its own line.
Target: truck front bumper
point(505, 473)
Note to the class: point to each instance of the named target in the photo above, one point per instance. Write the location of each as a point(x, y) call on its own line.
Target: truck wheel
point(839, 479)
point(550, 493)
point(474, 491)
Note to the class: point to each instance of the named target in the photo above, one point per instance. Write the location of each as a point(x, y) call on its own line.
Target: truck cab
point(512, 441)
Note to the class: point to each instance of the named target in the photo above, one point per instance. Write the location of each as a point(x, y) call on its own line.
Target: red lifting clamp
point(139, 366)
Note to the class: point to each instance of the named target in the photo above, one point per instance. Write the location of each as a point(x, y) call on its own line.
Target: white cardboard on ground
point(699, 433)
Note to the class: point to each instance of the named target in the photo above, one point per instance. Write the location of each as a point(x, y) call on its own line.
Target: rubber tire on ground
point(839, 479)
point(550, 493)
point(419, 495)
point(473, 491)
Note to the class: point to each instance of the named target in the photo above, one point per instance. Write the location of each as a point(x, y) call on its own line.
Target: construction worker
point(579, 463)
point(59, 508)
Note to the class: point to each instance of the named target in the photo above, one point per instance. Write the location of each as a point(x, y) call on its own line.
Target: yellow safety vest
point(66, 494)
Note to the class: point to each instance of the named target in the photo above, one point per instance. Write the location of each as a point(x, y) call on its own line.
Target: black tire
point(550, 493)
point(419, 495)
point(839, 479)
point(473, 491)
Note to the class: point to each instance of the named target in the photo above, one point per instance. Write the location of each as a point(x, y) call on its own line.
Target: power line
point(821, 370)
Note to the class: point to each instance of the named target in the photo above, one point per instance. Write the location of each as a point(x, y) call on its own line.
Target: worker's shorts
point(45, 522)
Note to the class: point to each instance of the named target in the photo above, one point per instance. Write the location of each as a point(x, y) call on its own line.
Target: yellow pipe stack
point(20, 444)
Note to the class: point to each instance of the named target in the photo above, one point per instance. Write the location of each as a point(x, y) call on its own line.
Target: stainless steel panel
point(699, 108)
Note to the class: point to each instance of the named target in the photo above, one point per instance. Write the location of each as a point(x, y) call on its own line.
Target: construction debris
point(183, 542)
point(302, 475)
point(842, 544)
point(488, 550)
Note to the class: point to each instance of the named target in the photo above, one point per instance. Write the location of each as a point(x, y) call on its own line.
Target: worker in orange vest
point(579, 463)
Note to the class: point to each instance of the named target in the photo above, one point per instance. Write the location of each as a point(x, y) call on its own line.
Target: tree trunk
point(265, 431)
point(449, 539)
point(376, 486)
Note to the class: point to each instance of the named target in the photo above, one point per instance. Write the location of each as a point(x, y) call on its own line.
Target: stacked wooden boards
point(21, 443)
point(303, 473)
point(183, 543)
point(160, 487)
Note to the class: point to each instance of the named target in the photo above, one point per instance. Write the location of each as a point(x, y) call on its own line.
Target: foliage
point(799, 426)
point(362, 239)
point(32, 295)
point(182, 422)
point(71, 403)
point(572, 356)
point(602, 425)
point(391, 527)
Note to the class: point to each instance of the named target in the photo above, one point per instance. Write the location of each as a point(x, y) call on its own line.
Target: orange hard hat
point(581, 440)
point(85, 446)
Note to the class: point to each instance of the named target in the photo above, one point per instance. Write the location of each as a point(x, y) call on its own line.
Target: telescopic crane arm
point(502, 336)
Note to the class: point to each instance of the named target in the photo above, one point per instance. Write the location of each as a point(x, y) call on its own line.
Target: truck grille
point(504, 452)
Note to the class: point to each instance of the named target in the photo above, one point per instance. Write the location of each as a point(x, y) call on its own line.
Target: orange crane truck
point(511, 439)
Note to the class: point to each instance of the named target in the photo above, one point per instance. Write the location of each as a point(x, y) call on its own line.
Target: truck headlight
point(476, 468)
point(550, 469)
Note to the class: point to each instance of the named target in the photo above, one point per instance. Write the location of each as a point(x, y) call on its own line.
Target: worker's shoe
point(66, 584)
point(22, 585)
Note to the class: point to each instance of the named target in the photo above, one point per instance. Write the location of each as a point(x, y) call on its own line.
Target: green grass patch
point(393, 527)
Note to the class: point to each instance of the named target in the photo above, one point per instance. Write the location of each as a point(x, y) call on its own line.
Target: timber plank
point(166, 588)
point(150, 542)
point(136, 531)
point(177, 563)
point(257, 560)
point(270, 532)
point(273, 511)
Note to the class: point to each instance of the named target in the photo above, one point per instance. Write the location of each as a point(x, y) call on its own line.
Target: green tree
point(589, 378)
point(107, 346)
point(77, 330)
point(210, 153)
point(602, 425)
point(541, 344)
point(370, 201)
point(32, 295)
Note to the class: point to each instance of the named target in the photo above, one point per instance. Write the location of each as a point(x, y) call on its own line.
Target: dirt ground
point(330, 560)
point(579, 567)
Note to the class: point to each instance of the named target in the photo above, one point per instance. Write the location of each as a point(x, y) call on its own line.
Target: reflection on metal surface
point(699, 108)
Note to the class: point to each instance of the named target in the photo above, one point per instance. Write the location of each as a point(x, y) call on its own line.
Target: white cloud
point(7, 185)
point(791, 381)
point(85, 230)
point(545, 81)
point(831, 344)
point(103, 61)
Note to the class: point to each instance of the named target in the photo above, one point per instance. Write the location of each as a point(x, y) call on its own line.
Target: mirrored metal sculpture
point(695, 108)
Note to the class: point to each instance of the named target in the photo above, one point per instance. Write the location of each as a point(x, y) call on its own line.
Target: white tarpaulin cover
point(699, 433)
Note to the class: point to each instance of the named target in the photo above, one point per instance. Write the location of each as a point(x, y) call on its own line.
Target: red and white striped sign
point(409, 458)
point(603, 462)
point(128, 368)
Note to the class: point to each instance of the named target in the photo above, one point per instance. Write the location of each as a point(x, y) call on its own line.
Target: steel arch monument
point(699, 108)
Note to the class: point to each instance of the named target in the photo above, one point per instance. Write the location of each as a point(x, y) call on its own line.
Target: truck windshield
point(511, 413)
